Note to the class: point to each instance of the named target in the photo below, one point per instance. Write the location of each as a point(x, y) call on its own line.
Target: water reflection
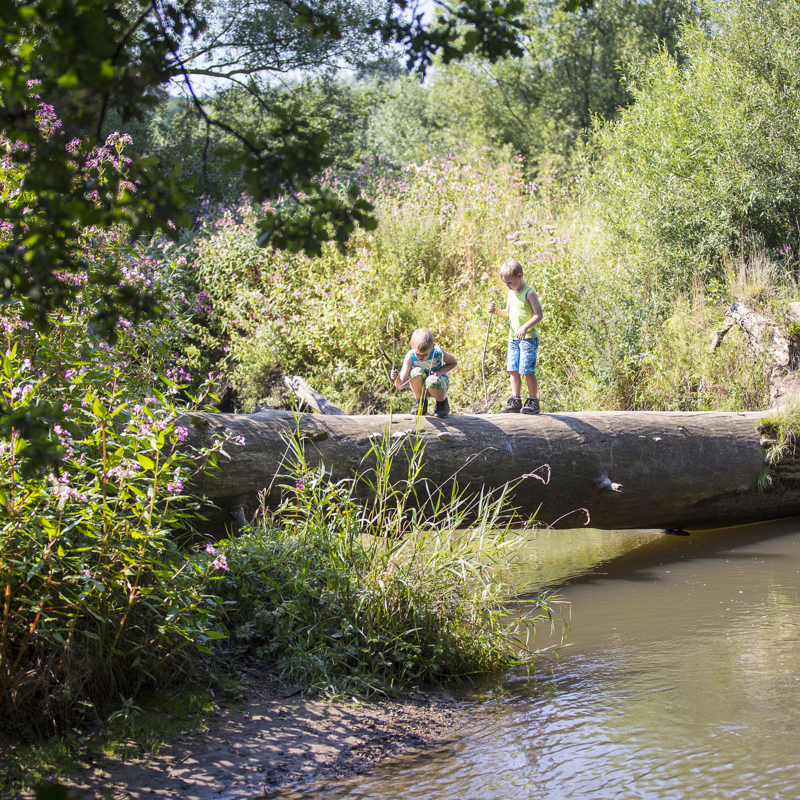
point(551, 558)
point(681, 680)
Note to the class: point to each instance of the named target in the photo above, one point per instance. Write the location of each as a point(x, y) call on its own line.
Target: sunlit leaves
point(91, 56)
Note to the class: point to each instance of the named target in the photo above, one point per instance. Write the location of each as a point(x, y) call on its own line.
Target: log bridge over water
point(626, 469)
point(612, 469)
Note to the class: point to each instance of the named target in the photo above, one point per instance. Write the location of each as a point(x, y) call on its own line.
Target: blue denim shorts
point(521, 356)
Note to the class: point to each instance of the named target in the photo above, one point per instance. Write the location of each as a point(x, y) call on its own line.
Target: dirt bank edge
point(275, 741)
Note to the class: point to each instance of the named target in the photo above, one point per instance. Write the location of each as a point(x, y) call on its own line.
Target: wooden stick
point(394, 341)
point(383, 353)
point(483, 361)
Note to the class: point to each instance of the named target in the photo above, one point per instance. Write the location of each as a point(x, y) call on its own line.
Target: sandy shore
point(278, 738)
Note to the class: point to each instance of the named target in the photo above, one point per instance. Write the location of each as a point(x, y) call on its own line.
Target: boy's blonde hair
point(422, 340)
point(510, 267)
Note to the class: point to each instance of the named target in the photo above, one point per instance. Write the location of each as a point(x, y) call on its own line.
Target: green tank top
point(519, 312)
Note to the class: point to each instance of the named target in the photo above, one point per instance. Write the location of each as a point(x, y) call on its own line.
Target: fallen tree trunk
point(607, 469)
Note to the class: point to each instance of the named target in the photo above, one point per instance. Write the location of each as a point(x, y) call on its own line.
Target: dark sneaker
point(531, 406)
point(512, 406)
point(415, 407)
point(442, 408)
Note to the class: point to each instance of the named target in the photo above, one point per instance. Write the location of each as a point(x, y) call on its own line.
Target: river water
point(680, 679)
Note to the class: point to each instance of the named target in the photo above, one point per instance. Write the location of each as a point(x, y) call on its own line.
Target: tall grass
point(351, 596)
point(616, 334)
point(444, 228)
point(344, 595)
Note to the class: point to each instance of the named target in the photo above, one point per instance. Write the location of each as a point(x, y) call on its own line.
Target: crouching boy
point(425, 366)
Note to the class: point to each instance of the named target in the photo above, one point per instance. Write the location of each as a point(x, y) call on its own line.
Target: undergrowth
point(359, 587)
point(353, 596)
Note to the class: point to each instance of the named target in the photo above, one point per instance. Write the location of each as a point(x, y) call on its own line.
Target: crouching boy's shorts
point(432, 381)
point(521, 356)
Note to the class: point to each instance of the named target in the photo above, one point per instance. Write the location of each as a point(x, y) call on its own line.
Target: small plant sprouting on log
point(781, 432)
point(352, 596)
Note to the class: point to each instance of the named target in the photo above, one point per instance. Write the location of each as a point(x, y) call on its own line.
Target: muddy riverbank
point(279, 737)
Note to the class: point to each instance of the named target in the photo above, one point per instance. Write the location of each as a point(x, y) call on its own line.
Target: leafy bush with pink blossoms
point(104, 595)
point(99, 598)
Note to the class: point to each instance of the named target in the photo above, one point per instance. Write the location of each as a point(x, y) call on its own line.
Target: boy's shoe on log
point(531, 406)
point(415, 407)
point(513, 406)
point(442, 408)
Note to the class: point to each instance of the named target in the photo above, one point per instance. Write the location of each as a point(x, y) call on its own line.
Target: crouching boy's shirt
point(434, 361)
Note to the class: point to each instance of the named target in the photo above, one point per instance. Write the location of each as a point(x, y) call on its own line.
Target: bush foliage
point(704, 165)
point(104, 595)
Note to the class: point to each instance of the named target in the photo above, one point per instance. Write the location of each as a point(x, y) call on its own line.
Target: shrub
point(93, 603)
point(348, 596)
point(92, 497)
point(706, 161)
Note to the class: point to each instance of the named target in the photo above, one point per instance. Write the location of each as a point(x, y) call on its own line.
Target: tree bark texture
point(626, 469)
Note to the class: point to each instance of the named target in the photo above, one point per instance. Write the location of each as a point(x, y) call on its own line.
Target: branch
point(720, 335)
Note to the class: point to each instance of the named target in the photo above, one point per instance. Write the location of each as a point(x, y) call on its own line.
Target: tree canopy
point(89, 57)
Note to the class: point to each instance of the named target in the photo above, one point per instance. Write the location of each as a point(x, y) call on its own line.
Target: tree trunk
point(605, 469)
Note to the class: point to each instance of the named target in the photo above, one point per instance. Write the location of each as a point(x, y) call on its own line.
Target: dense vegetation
point(640, 201)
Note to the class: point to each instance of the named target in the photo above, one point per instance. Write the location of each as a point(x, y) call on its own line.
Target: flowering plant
point(94, 487)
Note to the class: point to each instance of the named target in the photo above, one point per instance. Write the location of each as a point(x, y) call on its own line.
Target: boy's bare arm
point(449, 363)
point(401, 377)
point(536, 307)
point(501, 312)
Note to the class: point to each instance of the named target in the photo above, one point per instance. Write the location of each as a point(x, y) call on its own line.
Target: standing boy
point(523, 312)
point(427, 364)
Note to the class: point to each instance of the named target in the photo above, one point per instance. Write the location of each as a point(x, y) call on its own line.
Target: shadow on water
point(636, 564)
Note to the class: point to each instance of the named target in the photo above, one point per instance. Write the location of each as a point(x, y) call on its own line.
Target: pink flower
point(220, 562)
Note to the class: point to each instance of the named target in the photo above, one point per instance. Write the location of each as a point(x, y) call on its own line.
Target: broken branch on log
point(720, 335)
point(306, 394)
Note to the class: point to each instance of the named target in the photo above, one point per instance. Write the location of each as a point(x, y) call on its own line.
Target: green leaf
point(147, 463)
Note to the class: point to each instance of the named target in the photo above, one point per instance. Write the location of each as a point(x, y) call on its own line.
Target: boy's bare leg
point(417, 384)
point(533, 385)
point(516, 383)
point(437, 394)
